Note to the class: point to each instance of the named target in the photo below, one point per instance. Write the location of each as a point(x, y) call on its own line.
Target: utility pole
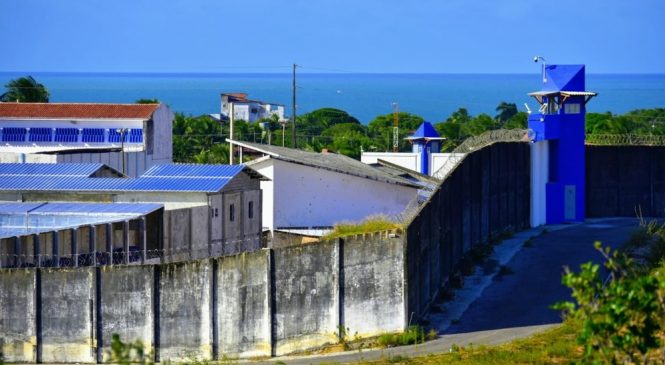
point(395, 127)
point(231, 117)
point(293, 126)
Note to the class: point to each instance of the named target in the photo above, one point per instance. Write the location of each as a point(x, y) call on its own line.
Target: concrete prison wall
point(487, 194)
point(261, 303)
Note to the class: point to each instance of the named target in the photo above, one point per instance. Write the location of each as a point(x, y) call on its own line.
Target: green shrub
point(129, 353)
point(413, 335)
point(622, 318)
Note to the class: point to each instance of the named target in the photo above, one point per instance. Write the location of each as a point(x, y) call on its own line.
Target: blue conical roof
point(564, 78)
point(425, 131)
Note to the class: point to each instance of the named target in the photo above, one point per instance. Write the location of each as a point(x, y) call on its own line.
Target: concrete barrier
point(18, 315)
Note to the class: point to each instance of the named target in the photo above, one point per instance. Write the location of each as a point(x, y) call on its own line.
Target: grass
point(555, 346)
point(370, 224)
point(413, 335)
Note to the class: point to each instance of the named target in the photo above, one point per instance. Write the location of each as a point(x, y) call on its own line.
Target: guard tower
point(426, 140)
point(558, 155)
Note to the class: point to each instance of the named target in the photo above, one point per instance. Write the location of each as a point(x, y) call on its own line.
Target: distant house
point(139, 134)
point(314, 190)
point(248, 110)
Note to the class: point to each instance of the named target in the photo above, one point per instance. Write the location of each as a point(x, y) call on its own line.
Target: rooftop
point(77, 110)
point(327, 161)
point(53, 169)
point(426, 131)
point(160, 178)
point(17, 219)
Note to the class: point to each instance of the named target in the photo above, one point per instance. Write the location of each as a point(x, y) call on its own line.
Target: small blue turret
point(559, 134)
point(426, 140)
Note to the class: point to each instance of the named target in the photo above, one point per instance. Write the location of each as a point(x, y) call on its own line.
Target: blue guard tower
point(426, 140)
point(558, 152)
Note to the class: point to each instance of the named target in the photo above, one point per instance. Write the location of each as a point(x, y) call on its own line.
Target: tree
point(347, 139)
point(25, 90)
point(147, 101)
point(380, 130)
point(506, 111)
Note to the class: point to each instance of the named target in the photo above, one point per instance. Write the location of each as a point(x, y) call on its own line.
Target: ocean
point(432, 96)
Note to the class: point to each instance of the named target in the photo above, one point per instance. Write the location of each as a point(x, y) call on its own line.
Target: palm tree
point(25, 90)
point(506, 111)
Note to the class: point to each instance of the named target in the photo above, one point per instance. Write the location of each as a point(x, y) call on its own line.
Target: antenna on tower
point(395, 127)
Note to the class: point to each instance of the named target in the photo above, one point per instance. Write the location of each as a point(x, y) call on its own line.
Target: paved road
point(509, 306)
point(523, 298)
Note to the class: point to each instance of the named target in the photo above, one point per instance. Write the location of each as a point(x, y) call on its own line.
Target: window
point(274, 108)
point(232, 212)
point(254, 110)
point(250, 210)
point(572, 108)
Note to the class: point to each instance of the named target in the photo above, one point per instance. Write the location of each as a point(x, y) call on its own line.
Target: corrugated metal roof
point(95, 208)
point(570, 93)
point(49, 169)
point(156, 184)
point(19, 219)
point(328, 161)
point(193, 171)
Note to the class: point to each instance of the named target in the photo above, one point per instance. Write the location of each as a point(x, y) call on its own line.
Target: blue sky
point(424, 36)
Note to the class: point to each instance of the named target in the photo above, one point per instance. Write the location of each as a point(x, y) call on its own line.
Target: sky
point(379, 36)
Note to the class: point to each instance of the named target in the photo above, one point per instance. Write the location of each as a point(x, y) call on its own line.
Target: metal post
point(17, 251)
point(75, 246)
point(92, 243)
point(36, 250)
point(231, 117)
point(109, 242)
point(56, 249)
point(143, 239)
point(125, 241)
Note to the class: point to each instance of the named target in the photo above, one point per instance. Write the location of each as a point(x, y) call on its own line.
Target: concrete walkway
point(497, 306)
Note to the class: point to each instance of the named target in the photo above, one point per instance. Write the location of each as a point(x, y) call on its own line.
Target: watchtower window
point(572, 108)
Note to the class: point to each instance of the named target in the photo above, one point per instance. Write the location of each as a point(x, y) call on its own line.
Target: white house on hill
point(127, 137)
point(309, 190)
point(248, 110)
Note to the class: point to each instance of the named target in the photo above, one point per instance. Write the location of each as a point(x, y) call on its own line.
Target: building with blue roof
point(40, 234)
point(558, 152)
point(205, 206)
point(425, 157)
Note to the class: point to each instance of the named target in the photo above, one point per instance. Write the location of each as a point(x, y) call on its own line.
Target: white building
point(128, 137)
point(248, 110)
point(424, 158)
point(310, 190)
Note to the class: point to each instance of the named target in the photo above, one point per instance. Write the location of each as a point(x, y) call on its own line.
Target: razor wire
point(625, 140)
point(454, 159)
point(133, 256)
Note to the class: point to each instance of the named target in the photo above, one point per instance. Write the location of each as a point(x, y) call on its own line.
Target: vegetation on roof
point(374, 223)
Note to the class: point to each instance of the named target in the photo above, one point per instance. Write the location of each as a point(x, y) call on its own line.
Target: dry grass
point(376, 223)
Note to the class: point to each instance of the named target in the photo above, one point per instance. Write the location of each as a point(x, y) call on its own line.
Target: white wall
point(303, 196)
point(539, 177)
point(407, 160)
point(438, 160)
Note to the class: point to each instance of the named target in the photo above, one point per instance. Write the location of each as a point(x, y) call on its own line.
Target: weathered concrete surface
point(373, 285)
point(18, 339)
point(67, 317)
point(306, 296)
point(185, 309)
point(243, 308)
point(127, 305)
